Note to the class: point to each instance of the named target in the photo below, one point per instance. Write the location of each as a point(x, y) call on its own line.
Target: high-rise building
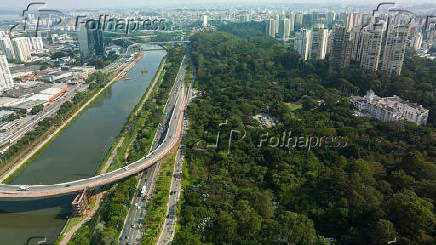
point(372, 37)
point(6, 81)
point(358, 19)
point(341, 48)
point(6, 47)
point(284, 29)
point(90, 41)
point(349, 22)
point(319, 41)
point(356, 37)
point(36, 43)
point(416, 42)
point(204, 18)
point(22, 49)
point(271, 27)
point(307, 20)
point(315, 18)
point(292, 22)
point(331, 18)
point(245, 17)
point(302, 43)
point(298, 20)
point(393, 55)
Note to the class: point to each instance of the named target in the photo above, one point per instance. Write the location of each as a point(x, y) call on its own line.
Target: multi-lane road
point(173, 131)
point(26, 124)
point(133, 229)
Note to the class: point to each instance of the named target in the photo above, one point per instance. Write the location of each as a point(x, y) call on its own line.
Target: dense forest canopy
point(378, 186)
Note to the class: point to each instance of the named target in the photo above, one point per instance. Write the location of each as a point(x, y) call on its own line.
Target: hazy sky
point(66, 4)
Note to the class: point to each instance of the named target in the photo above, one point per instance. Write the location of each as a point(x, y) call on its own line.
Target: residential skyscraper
point(331, 18)
point(349, 22)
point(396, 41)
point(341, 48)
point(356, 36)
point(307, 20)
point(6, 47)
point(245, 17)
point(271, 26)
point(298, 20)
point(302, 43)
point(6, 81)
point(372, 37)
point(358, 19)
point(22, 49)
point(319, 41)
point(416, 42)
point(204, 18)
point(292, 22)
point(37, 43)
point(284, 29)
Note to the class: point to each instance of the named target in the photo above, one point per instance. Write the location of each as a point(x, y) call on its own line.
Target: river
point(75, 154)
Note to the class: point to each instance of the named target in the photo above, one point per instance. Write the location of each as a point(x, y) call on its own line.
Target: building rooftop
point(396, 107)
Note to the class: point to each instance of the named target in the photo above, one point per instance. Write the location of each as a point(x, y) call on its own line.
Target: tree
point(226, 228)
point(417, 218)
point(43, 67)
point(296, 229)
point(36, 109)
point(384, 232)
point(249, 223)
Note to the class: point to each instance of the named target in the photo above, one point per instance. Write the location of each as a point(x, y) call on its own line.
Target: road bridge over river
point(173, 130)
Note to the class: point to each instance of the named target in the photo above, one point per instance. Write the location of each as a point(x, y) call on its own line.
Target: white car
point(23, 188)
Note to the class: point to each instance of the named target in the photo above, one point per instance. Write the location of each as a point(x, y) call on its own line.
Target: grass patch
point(294, 106)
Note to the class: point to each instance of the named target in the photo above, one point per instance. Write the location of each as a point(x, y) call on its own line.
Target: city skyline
point(119, 4)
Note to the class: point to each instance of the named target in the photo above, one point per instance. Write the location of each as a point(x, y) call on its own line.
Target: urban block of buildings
point(375, 42)
point(389, 108)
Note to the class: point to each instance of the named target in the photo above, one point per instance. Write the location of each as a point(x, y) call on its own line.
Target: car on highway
point(23, 188)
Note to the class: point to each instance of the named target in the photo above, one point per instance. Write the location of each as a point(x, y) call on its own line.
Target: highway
point(29, 122)
point(169, 142)
point(169, 225)
point(133, 229)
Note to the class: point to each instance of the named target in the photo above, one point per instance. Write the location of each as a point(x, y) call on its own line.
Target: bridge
point(170, 141)
point(168, 42)
point(151, 49)
point(138, 45)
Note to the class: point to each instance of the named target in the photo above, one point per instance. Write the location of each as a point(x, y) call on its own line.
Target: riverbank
point(15, 169)
point(73, 224)
point(143, 128)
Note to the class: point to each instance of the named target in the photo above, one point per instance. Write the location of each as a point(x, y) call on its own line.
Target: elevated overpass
point(170, 141)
